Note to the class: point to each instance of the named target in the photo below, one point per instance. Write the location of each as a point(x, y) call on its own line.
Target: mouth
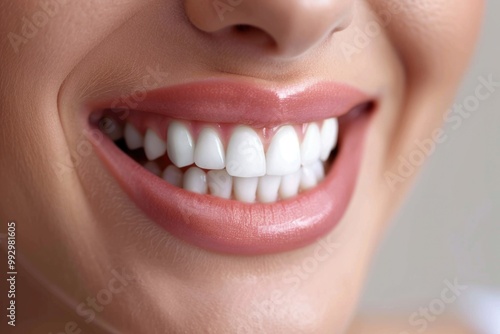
point(232, 168)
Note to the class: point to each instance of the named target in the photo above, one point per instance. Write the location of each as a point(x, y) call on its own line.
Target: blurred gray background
point(450, 225)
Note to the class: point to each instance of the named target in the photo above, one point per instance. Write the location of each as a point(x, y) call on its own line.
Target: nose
point(288, 27)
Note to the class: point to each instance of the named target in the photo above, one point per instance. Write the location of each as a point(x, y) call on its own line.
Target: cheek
point(433, 37)
point(433, 41)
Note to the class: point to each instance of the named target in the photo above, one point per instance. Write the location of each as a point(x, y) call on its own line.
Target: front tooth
point(133, 138)
point(283, 154)
point(153, 145)
point(173, 175)
point(245, 154)
point(209, 152)
point(245, 188)
point(220, 183)
point(319, 170)
point(307, 178)
point(329, 133)
point(195, 180)
point(267, 190)
point(289, 186)
point(180, 145)
point(310, 149)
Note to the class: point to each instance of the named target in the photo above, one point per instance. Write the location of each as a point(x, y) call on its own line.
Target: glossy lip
point(229, 226)
point(225, 101)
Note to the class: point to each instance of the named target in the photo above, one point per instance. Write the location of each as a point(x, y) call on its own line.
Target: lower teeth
point(263, 189)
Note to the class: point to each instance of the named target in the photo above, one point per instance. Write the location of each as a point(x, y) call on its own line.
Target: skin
point(74, 229)
point(383, 325)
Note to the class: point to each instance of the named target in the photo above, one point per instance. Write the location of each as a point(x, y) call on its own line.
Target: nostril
point(252, 34)
point(248, 30)
point(284, 28)
point(242, 28)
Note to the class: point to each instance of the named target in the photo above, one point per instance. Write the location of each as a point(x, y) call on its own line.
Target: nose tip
point(292, 26)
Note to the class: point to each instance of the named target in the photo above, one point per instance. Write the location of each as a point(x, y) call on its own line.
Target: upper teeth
point(329, 134)
point(283, 155)
point(209, 152)
point(154, 146)
point(245, 154)
point(180, 144)
point(242, 162)
point(133, 137)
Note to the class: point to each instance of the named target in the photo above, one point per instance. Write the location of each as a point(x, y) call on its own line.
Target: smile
point(235, 169)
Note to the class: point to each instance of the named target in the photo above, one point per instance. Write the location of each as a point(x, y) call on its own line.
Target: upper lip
point(226, 101)
point(231, 226)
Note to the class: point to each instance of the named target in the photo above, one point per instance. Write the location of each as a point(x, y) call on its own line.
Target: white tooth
point(283, 154)
point(289, 186)
point(173, 175)
point(307, 178)
point(152, 167)
point(319, 170)
point(329, 133)
point(245, 154)
point(245, 188)
point(209, 152)
point(220, 183)
point(133, 138)
point(267, 190)
point(180, 145)
point(153, 145)
point(195, 180)
point(111, 128)
point(310, 149)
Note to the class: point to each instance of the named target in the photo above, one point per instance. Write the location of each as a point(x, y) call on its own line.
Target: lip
point(225, 101)
point(229, 226)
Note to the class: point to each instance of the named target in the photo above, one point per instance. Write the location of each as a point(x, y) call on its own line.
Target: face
point(222, 166)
